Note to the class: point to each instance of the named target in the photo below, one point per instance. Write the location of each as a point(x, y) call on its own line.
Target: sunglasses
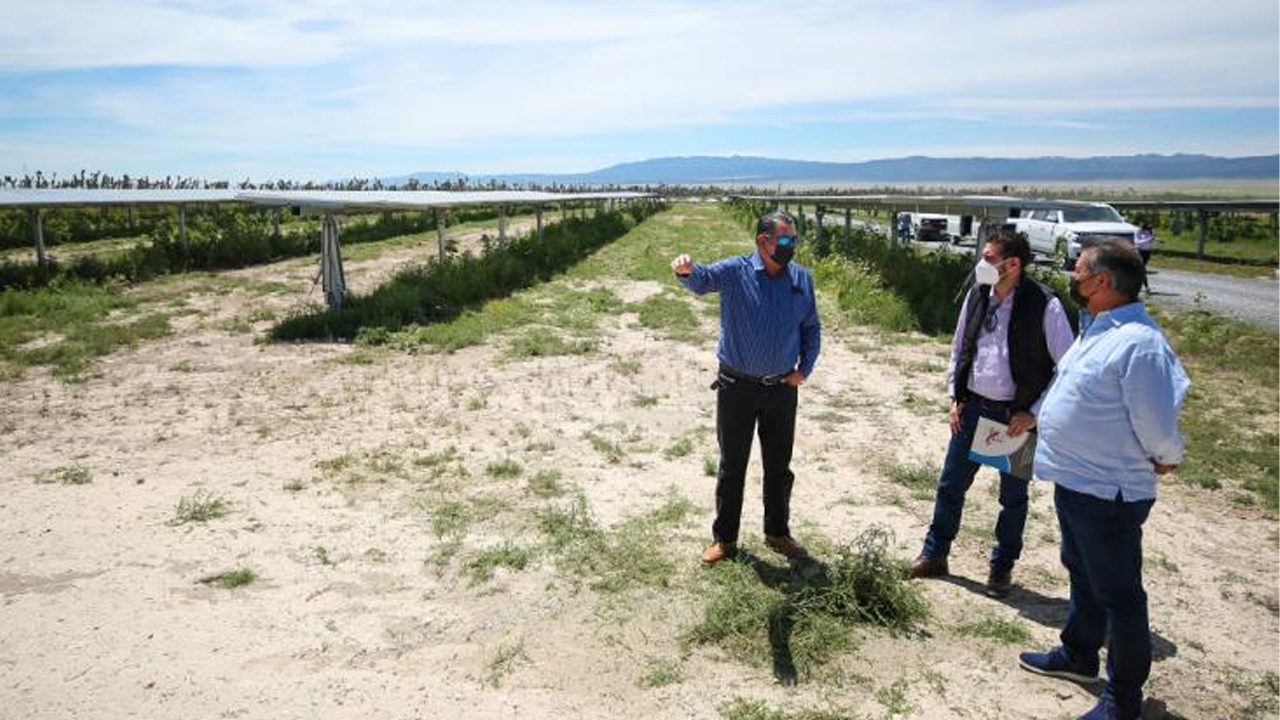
point(991, 322)
point(787, 240)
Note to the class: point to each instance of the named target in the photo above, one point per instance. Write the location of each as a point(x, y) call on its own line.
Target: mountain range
point(746, 170)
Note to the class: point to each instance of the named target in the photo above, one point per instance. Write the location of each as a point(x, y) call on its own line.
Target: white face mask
point(986, 273)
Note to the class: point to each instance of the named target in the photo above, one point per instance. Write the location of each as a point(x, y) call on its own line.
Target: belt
point(734, 375)
point(988, 402)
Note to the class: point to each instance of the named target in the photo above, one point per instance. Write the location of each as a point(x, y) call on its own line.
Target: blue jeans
point(1102, 551)
point(957, 475)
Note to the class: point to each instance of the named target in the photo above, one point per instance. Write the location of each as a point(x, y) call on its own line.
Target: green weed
point(201, 506)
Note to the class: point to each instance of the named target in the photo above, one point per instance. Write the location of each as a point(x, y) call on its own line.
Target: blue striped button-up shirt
point(768, 325)
point(1112, 409)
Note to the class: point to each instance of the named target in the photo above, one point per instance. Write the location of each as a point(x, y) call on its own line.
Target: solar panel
point(338, 200)
point(80, 197)
point(330, 200)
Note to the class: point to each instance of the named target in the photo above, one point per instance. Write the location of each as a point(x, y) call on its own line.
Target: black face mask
point(1073, 288)
point(783, 254)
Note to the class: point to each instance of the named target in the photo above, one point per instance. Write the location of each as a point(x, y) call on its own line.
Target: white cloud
point(435, 74)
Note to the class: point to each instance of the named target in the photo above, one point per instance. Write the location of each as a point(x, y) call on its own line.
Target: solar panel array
point(324, 200)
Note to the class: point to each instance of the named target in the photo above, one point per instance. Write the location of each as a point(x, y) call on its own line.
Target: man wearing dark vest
point(1009, 337)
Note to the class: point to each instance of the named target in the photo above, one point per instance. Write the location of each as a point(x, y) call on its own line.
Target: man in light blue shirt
point(1108, 427)
point(769, 341)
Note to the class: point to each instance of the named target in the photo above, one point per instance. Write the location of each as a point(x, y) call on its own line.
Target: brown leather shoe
point(786, 546)
point(718, 551)
point(928, 567)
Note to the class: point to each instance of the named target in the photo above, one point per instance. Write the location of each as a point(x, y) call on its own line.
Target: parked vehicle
point(929, 227)
point(962, 227)
point(1059, 233)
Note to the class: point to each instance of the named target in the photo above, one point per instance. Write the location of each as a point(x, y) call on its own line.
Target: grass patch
point(611, 450)
point(544, 342)
point(482, 567)
point(626, 368)
point(504, 469)
point(673, 511)
point(680, 448)
point(202, 506)
point(1191, 264)
point(72, 475)
point(504, 662)
point(923, 406)
point(450, 518)
point(893, 698)
point(742, 709)
point(67, 326)
point(437, 459)
point(799, 618)
point(1230, 415)
point(574, 311)
point(1259, 693)
point(641, 400)
point(231, 579)
point(661, 673)
point(710, 466)
point(670, 316)
point(546, 483)
point(920, 479)
point(1008, 632)
point(609, 560)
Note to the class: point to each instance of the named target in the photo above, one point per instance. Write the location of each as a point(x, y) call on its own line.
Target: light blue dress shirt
point(768, 325)
point(1112, 409)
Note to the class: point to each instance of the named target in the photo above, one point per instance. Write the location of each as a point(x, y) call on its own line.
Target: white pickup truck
point(1059, 233)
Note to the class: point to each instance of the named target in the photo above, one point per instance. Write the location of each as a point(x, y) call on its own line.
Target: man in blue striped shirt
point(769, 341)
point(1108, 427)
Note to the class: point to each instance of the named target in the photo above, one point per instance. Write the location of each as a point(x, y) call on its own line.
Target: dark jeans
point(1102, 551)
point(1146, 257)
point(742, 407)
point(957, 475)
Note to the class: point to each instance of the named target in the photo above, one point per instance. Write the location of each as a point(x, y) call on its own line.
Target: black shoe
point(999, 583)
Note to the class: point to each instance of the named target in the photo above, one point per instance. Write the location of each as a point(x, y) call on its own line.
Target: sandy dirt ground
point(331, 466)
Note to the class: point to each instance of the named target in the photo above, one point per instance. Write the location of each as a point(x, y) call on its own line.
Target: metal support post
point(817, 230)
point(1204, 231)
point(848, 221)
point(441, 221)
point(37, 230)
point(331, 274)
point(182, 229)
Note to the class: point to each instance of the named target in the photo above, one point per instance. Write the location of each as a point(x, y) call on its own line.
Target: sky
point(308, 89)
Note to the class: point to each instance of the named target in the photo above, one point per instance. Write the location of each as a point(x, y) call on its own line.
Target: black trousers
point(742, 408)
